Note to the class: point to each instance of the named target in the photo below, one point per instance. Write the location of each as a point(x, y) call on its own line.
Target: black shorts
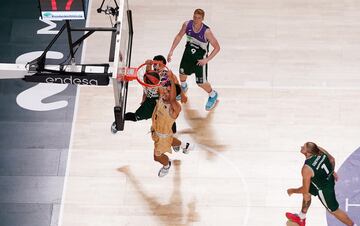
point(188, 64)
point(146, 109)
point(326, 196)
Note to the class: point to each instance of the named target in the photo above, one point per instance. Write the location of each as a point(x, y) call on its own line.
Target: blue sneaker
point(184, 89)
point(211, 102)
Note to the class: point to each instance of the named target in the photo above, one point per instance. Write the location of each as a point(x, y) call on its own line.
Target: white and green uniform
point(322, 181)
point(197, 48)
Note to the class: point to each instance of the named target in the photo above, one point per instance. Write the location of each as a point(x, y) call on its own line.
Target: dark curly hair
point(160, 58)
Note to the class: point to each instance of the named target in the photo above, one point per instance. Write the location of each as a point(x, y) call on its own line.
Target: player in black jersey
point(319, 180)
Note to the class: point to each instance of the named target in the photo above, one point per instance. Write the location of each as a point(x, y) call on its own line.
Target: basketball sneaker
point(164, 170)
point(211, 102)
point(188, 148)
point(184, 89)
point(295, 218)
point(176, 148)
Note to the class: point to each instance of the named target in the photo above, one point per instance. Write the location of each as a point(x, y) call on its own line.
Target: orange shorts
point(162, 144)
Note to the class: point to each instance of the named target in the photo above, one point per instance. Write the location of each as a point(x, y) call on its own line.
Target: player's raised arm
point(176, 41)
point(148, 65)
point(173, 93)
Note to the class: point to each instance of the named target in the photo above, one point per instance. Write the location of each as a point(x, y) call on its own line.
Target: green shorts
point(146, 109)
point(188, 64)
point(327, 196)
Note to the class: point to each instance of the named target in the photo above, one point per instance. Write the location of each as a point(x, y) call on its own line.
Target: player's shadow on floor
point(173, 212)
point(290, 223)
point(202, 130)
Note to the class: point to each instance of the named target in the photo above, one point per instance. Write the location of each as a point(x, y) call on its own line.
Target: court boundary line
point(67, 169)
point(76, 108)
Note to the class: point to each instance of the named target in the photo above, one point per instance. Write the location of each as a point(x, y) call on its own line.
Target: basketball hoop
point(147, 74)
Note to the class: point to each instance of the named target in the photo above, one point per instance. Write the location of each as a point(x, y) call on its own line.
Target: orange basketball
point(151, 78)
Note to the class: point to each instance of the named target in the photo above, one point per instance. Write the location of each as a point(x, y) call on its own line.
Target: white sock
point(183, 84)
point(167, 166)
point(302, 215)
point(212, 93)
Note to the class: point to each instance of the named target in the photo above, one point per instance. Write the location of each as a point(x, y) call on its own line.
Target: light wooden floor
point(288, 72)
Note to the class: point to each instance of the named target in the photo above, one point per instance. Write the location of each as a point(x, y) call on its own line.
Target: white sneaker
point(176, 148)
point(188, 148)
point(164, 170)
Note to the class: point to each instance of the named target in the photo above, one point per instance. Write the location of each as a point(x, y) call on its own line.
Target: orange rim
point(141, 82)
point(131, 73)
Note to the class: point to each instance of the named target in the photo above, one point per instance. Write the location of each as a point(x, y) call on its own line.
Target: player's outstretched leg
point(130, 116)
point(343, 217)
point(183, 85)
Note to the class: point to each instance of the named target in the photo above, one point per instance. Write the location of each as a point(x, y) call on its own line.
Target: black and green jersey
point(197, 48)
point(197, 40)
point(322, 171)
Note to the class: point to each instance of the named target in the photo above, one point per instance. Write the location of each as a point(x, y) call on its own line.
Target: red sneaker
point(295, 218)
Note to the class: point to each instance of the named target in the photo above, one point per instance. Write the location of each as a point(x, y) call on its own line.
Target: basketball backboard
point(122, 58)
point(39, 71)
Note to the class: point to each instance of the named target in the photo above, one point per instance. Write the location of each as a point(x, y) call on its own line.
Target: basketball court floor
point(287, 73)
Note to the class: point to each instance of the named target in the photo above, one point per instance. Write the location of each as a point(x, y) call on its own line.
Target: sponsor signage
point(63, 15)
point(75, 79)
point(62, 9)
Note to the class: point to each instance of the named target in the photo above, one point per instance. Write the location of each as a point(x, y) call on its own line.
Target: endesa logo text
point(72, 80)
point(88, 79)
